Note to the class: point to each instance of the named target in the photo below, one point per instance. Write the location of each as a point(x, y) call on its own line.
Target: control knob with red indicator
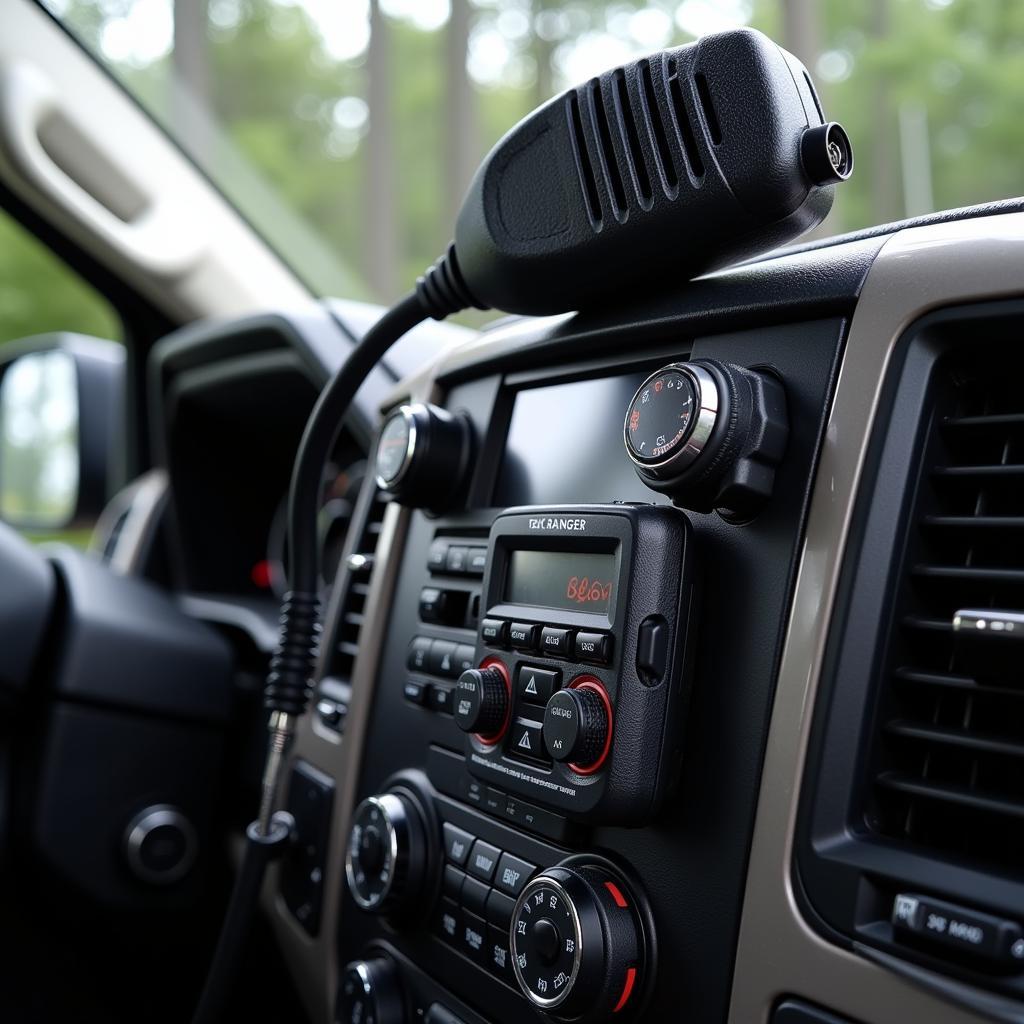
point(578, 725)
point(482, 701)
point(578, 943)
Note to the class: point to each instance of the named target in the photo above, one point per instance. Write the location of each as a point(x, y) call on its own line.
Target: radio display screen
point(560, 579)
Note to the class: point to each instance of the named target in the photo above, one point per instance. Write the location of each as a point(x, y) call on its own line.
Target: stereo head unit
point(582, 677)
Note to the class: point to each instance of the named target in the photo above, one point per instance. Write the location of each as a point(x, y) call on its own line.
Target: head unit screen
point(560, 579)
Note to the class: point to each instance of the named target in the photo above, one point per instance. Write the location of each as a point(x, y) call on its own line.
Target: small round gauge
point(661, 416)
point(395, 447)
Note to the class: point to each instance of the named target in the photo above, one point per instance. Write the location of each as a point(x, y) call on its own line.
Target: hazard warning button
point(534, 685)
point(526, 742)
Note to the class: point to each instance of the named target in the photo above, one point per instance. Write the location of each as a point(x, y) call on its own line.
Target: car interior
point(621, 621)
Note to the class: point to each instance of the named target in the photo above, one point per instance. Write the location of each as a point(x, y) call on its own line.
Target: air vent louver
point(948, 766)
point(353, 602)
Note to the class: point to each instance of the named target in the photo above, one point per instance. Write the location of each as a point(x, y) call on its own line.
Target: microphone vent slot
point(613, 176)
point(659, 134)
point(683, 124)
point(584, 165)
point(635, 153)
point(710, 117)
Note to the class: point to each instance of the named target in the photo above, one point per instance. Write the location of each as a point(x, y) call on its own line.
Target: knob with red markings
point(483, 700)
point(578, 725)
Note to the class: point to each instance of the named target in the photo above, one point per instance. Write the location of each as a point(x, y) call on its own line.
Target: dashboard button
point(433, 604)
point(512, 874)
point(415, 692)
point(439, 698)
point(499, 958)
point(494, 632)
point(477, 561)
point(555, 641)
point(465, 657)
point(472, 937)
point(474, 895)
point(500, 909)
point(494, 801)
point(442, 659)
point(457, 843)
point(652, 649)
point(419, 654)
point(474, 791)
point(535, 685)
point(437, 557)
point(959, 929)
point(526, 741)
point(452, 882)
point(523, 636)
point(445, 924)
point(483, 859)
point(594, 647)
point(457, 559)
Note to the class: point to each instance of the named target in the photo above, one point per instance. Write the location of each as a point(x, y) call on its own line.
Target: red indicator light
point(634, 420)
point(658, 385)
point(620, 900)
point(627, 989)
point(261, 574)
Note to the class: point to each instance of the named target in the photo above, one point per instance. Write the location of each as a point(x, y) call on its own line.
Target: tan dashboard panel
point(917, 270)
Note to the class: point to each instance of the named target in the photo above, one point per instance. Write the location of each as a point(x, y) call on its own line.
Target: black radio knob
point(578, 725)
point(370, 993)
point(483, 700)
point(577, 943)
point(423, 456)
point(386, 858)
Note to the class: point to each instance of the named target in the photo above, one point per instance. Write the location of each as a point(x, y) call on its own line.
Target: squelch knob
point(482, 702)
point(578, 945)
point(371, 993)
point(577, 725)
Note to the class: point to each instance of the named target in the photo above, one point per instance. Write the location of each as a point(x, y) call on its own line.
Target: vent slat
point(981, 523)
point(1014, 419)
point(959, 795)
point(964, 684)
point(956, 738)
point(970, 573)
point(997, 472)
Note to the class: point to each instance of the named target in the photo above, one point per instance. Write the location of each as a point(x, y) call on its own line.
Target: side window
point(40, 428)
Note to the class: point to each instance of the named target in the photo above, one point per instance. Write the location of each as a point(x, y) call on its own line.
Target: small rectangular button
point(494, 632)
point(483, 859)
point(433, 602)
point(652, 648)
point(544, 822)
point(499, 956)
point(523, 636)
point(555, 641)
point(472, 936)
point(512, 874)
point(437, 557)
point(594, 647)
point(494, 801)
point(452, 882)
point(442, 659)
point(474, 895)
point(415, 692)
point(475, 791)
point(439, 698)
point(457, 843)
point(477, 561)
point(445, 923)
point(419, 654)
point(526, 740)
point(500, 909)
point(535, 685)
point(465, 657)
point(960, 929)
point(457, 559)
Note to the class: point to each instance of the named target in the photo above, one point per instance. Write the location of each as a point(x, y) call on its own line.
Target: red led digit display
point(561, 579)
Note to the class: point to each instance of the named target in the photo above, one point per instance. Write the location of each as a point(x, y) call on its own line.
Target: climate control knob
point(578, 725)
point(370, 993)
point(482, 701)
point(578, 944)
point(386, 858)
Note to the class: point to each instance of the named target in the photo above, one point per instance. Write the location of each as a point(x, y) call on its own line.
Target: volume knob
point(577, 725)
point(482, 701)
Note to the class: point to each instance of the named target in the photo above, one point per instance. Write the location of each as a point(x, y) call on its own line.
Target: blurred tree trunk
point(191, 94)
point(801, 30)
point(460, 120)
point(884, 175)
point(381, 229)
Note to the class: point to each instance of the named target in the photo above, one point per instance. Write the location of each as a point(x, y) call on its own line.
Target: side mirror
point(61, 399)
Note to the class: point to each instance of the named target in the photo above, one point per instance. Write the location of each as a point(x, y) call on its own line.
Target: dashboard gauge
point(395, 447)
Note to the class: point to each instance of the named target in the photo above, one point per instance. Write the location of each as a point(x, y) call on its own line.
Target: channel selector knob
point(577, 943)
point(370, 993)
point(483, 701)
point(387, 855)
point(578, 725)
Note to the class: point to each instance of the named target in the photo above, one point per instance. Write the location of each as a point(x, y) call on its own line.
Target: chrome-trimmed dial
point(386, 853)
point(396, 447)
point(371, 993)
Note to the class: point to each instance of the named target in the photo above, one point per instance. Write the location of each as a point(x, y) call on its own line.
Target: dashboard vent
point(948, 764)
point(353, 602)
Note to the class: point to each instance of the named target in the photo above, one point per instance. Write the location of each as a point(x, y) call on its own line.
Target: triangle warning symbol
point(531, 686)
point(525, 742)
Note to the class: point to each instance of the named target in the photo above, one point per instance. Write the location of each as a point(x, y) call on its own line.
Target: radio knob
point(370, 992)
point(387, 852)
point(578, 724)
point(483, 700)
point(577, 944)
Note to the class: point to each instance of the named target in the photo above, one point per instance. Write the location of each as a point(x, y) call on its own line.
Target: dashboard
point(652, 684)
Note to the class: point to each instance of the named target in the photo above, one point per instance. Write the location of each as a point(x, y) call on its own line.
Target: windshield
point(346, 131)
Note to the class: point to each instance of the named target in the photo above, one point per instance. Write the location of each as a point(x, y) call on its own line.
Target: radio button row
point(523, 636)
point(494, 632)
point(594, 647)
point(534, 685)
point(556, 642)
